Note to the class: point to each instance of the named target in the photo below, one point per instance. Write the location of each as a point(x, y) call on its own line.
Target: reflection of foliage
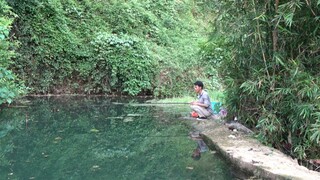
point(89, 139)
point(6, 127)
point(3, 151)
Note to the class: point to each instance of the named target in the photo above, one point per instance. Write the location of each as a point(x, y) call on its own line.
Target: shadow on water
point(101, 138)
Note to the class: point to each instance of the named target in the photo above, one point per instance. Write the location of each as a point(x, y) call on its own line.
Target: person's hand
point(193, 103)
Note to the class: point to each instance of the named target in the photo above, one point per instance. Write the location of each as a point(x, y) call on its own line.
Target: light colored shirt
point(205, 99)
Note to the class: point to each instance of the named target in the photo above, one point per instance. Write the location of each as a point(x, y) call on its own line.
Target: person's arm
point(203, 101)
point(199, 104)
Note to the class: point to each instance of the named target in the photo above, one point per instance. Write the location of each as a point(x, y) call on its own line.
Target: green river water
point(100, 138)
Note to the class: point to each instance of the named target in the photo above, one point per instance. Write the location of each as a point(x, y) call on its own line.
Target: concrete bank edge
point(244, 166)
point(210, 130)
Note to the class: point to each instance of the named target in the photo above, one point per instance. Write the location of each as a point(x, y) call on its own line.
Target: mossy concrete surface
point(248, 154)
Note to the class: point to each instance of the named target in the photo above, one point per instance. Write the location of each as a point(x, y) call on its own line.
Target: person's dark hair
point(199, 83)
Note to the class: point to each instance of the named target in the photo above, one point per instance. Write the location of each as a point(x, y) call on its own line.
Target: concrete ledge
point(250, 155)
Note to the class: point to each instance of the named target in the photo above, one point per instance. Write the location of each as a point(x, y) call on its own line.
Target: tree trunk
point(275, 30)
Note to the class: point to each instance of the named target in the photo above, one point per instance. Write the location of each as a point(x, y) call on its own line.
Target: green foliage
point(10, 87)
point(63, 50)
point(5, 23)
point(125, 61)
point(268, 57)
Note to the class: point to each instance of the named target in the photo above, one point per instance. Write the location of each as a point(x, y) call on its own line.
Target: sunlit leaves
point(288, 9)
point(248, 86)
point(128, 61)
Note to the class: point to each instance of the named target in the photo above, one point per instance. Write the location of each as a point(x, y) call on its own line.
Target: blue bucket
point(216, 107)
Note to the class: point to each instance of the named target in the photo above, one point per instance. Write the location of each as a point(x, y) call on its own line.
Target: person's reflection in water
point(196, 155)
point(201, 146)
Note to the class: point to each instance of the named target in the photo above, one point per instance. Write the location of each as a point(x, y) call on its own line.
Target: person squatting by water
point(203, 105)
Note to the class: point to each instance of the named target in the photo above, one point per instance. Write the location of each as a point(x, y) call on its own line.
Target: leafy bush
point(124, 62)
point(9, 85)
point(10, 88)
point(269, 70)
point(63, 49)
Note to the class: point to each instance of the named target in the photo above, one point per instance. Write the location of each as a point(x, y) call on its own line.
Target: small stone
point(232, 136)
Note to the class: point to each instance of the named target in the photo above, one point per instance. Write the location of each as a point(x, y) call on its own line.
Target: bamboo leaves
point(287, 11)
point(315, 130)
point(274, 70)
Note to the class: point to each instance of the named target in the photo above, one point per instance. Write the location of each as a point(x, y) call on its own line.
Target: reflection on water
point(100, 138)
point(201, 146)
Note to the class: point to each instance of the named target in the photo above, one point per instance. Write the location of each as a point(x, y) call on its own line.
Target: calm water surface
point(100, 138)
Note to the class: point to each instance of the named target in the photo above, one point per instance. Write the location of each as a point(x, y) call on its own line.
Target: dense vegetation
point(10, 87)
point(122, 47)
point(268, 54)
